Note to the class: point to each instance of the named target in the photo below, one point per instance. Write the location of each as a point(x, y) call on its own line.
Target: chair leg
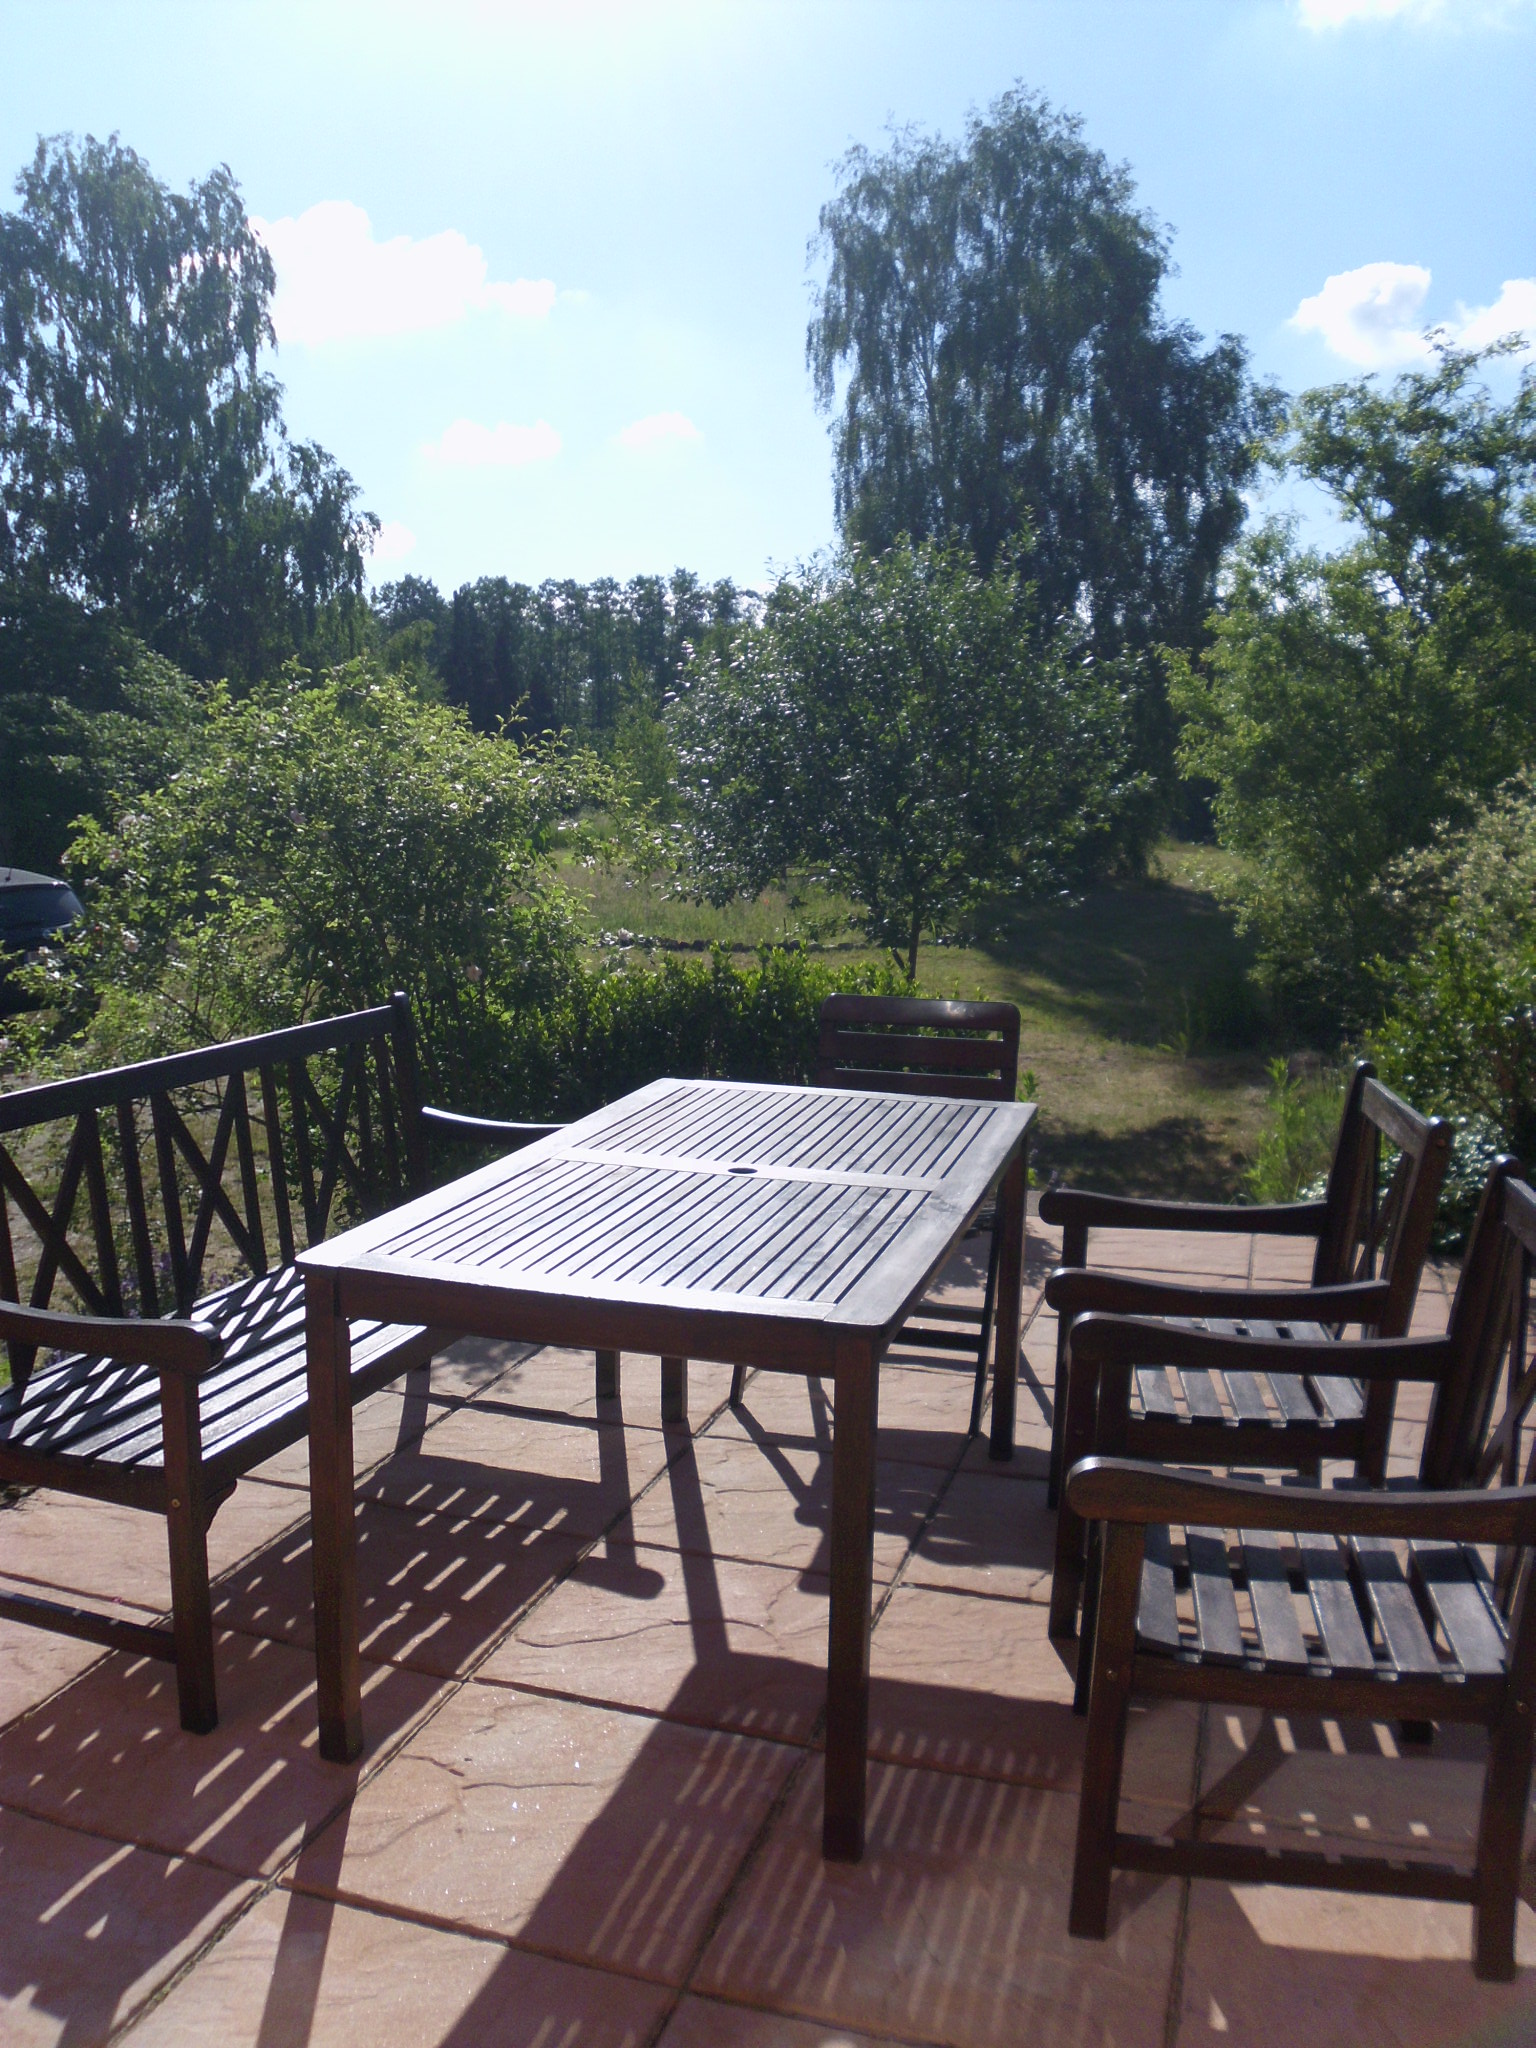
point(674, 1390)
point(738, 1384)
point(1082, 1684)
point(186, 1521)
point(1500, 1842)
point(984, 1342)
point(1074, 1252)
point(1079, 1433)
point(1098, 1803)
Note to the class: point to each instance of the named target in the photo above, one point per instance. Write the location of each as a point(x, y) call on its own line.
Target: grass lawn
point(1148, 1049)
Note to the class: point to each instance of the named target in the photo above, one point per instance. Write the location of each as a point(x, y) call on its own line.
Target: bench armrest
point(1100, 1340)
point(1129, 1490)
point(1133, 1212)
point(1074, 1290)
point(169, 1345)
point(487, 1127)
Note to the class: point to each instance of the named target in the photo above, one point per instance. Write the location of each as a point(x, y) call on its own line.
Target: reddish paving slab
point(589, 1808)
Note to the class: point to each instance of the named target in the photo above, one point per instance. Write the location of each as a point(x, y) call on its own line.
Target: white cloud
point(658, 427)
point(1371, 316)
point(1514, 310)
point(393, 542)
point(336, 283)
point(468, 445)
point(1374, 316)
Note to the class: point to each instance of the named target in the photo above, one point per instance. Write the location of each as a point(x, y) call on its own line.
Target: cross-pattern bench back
point(118, 1185)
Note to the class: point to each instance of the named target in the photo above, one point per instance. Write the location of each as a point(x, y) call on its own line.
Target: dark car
point(33, 908)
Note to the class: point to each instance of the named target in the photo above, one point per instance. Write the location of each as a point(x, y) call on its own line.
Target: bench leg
point(186, 1524)
point(1501, 1838)
point(338, 1666)
point(608, 1375)
point(674, 1391)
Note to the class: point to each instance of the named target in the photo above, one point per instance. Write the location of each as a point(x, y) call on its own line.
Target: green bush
point(1298, 1138)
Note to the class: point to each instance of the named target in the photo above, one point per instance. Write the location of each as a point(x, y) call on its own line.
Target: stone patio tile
point(988, 1535)
point(1213, 1254)
point(785, 1406)
point(559, 1378)
point(298, 1969)
point(1349, 1781)
point(93, 1928)
point(110, 1754)
point(600, 1837)
point(436, 1590)
point(925, 1411)
point(977, 1687)
point(395, 1416)
point(711, 2023)
point(1269, 1967)
point(720, 1645)
point(117, 1554)
point(34, 1664)
point(953, 1929)
point(769, 1503)
point(532, 1471)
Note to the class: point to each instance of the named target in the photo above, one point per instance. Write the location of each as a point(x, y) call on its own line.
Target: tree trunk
point(917, 919)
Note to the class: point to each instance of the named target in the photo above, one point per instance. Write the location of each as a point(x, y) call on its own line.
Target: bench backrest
point(1367, 1229)
point(119, 1185)
point(911, 1045)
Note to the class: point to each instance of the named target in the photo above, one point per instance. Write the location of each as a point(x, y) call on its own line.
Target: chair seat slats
point(1220, 1632)
point(1156, 1394)
point(1380, 1572)
point(1200, 1392)
point(1274, 1610)
point(1341, 1399)
point(1157, 1621)
point(1456, 1587)
point(1245, 1391)
point(1291, 1397)
point(1345, 1645)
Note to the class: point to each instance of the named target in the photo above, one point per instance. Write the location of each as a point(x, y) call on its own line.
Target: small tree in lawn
point(893, 731)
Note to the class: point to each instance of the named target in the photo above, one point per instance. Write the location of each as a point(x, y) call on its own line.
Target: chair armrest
point(1075, 1290)
point(486, 1127)
point(172, 1345)
point(1100, 1340)
point(1132, 1212)
point(1129, 1490)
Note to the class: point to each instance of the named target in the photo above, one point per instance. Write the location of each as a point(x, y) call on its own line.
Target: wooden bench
point(131, 1189)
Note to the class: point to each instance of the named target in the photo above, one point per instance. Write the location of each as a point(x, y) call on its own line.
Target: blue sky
point(543, 276)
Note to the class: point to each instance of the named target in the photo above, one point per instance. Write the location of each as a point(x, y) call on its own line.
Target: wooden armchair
point(1337, 1603)
point(911, 1045)
point(1354, 1225)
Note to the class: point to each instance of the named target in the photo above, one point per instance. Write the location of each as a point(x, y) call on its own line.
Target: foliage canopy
point(989, 334)
point(894, 731)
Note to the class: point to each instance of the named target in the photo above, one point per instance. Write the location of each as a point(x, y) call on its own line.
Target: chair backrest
point(910, 1045)
point(1366, 1229)
point(1463, 1445)
point(123, 1186)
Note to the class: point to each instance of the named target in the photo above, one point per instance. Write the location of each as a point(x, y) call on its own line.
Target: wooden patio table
point(786, 1228)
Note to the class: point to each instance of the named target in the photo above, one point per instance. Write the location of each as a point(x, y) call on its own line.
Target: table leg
point(674, 1390)
point(608, 1375)
point(328, 1349)
point(855, 1415)
point(1012, 1197)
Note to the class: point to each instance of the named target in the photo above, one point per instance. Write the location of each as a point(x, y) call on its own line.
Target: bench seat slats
point(1156, 1394)
point(1345, 1644)
point(1291, 1397)
point(1157, 1620)
point(1341, 1400)
point(87, 1408)
point(1245, 1390)
point(1200, 1392)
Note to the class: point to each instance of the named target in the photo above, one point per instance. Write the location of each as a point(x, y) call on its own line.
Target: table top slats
point(794, 1201)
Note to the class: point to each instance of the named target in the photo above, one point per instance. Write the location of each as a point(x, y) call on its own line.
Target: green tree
point(87, 713)
point(893, 731)
point(323, 843)
point(989, 335)
point(1352, 703)
point(143, 463)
